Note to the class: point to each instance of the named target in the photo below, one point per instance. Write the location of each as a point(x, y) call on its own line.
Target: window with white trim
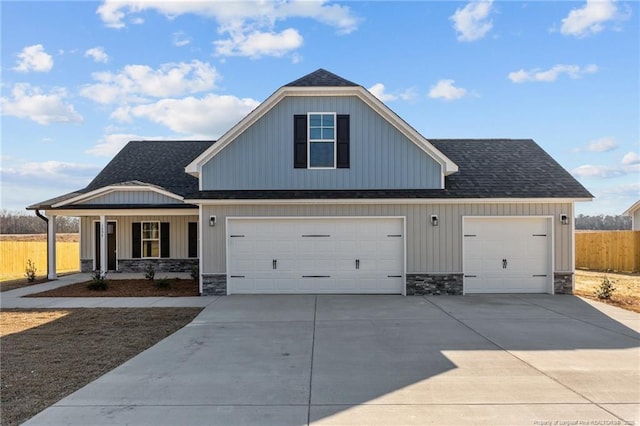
point(150, 239)
point(322, 140)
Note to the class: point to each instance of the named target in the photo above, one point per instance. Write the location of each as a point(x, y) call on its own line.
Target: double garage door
point(367, 255)
point(315, 255)
point(507, 255)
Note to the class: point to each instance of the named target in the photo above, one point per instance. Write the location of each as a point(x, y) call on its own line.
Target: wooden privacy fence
point(14, 256)
point(608, 250)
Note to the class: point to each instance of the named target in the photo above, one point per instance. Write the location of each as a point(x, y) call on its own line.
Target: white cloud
point(97, 54)
point(630, 164)
point(591, 18)
point(34, 58)
point(180, 39)
point(552, 74)
point(444, 89)
point(109, 145)
point(249, 25)
point(631, 158)
point(207, 117)
point(605, 144)
point(257, 44)
point(590, 171)
point(296, 58)
point(138, 82)
point(112, 12)
point(379, 91)
point(44, 108)
point(630, 189)
point(472, 21)
point(48, 171)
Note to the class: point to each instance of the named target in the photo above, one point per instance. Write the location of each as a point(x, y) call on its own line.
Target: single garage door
point(315, 255)
point(507, 255)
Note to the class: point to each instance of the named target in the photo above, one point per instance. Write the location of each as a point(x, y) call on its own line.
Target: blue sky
point(80, 79)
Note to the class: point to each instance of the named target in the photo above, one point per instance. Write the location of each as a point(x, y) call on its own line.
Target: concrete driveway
point(297, 360)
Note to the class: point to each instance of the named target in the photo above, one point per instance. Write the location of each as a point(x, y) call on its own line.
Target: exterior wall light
point(434, 220)
point(212, 221)
point(564, 219)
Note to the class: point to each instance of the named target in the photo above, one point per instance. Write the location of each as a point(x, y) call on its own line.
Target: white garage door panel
point(507, 255)
point(333, 255)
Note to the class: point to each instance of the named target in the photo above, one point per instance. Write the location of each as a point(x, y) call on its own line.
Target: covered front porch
point(130, 240)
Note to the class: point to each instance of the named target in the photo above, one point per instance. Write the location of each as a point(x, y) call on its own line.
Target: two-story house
point(324, 189)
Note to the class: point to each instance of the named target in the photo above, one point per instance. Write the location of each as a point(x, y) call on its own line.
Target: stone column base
point(214, 285)
point(434, 284)
point(86, 265)
point(563, 282)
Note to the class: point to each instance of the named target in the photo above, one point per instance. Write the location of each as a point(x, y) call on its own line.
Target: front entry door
point(111, 245)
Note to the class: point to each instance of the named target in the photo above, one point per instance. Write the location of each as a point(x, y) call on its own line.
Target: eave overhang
point(83, 198)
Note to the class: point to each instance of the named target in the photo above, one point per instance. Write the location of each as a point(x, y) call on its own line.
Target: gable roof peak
point(321, 78)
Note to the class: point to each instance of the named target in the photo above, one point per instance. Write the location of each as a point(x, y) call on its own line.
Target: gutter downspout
point(46, 219)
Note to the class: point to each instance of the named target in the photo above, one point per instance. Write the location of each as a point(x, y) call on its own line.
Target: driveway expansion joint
point(313, 342)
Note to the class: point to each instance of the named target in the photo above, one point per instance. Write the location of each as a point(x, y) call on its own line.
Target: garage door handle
point(316, 276)
point(274, 264)
point(504, 263)
point(470, 276)
point(357, 263)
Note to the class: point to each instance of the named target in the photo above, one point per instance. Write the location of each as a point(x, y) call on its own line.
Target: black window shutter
point(193, 239)
point(164, 239)
point(342, 142)
point(300, 141)
point(136, 240)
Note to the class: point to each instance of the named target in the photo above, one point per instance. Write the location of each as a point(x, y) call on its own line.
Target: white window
point(322, 140)
point(150, 239)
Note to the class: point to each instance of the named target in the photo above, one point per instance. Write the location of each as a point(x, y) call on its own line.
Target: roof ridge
point(321, 78)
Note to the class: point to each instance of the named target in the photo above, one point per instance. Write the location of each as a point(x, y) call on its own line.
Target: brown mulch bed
point(126, 288)
point(48, 354)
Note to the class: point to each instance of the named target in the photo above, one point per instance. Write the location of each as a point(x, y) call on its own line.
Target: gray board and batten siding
point(261, 158)
point(178, 234)
point(132, 197)
point(430, 249)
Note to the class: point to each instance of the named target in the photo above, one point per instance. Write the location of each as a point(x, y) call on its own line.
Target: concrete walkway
point(15, 298)
point(392, 360)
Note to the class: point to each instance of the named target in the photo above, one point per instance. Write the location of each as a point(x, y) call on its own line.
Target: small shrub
point(98, 281)
point(605, 289)
point(149, 272)
point(30, 271)
point(162, 283)
point(195, 273)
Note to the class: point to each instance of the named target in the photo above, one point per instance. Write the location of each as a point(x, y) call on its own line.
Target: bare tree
point(602, 222)
point(12, 222)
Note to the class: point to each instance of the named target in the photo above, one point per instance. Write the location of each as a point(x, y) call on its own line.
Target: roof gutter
point(46, 220)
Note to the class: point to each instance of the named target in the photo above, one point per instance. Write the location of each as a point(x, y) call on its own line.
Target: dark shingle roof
point(321, 77)
point(156, 163)
point(506, 168)
point(52, 201)
point(488, 168)
point(159, 163)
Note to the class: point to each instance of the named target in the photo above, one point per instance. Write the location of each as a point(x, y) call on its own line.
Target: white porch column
point(104, 258)
point(51, 245)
